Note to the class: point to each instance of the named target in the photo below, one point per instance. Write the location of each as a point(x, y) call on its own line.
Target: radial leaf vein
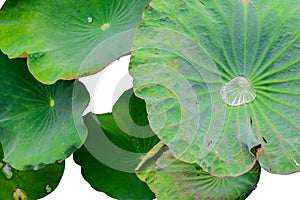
point(278, 101)
point(278, 113)
point(267, 65)
point(276, 90)
point(267, 49)
point(259, 136)
point(208, 24)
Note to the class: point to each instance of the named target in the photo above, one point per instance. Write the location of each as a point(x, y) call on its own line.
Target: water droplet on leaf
point(238, 91)
point(104, 27)
point(89, 19)
point(19, 194)
point(48, 188)
point(7, 171)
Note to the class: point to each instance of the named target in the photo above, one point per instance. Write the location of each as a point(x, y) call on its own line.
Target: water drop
point(238, 91)
point(104, 27)
point(89, 19)
point(7, 171)
point(48, 188)
point(19, 194)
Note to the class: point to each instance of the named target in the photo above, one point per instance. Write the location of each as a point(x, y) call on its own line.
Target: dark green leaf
point(68, 39)
point(111, 154)
point(33, 184)
point(39, 124)
point(221, 79)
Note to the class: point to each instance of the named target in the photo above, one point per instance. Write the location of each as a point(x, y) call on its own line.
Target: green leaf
point(33, 184)
point(110, 155)
point(221, 82)
point(145, 169)
point(68, 39)
point(43, 121)
point(178, 180)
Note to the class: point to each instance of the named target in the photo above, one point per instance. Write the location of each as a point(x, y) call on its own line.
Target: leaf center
point(52, 103)
point(105, 26)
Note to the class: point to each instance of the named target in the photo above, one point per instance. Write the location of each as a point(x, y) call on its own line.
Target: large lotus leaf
point(177, 180)
point(39, 124)
point(68, 39)
point(28, 185)
point(221, 81)
point(110, 155)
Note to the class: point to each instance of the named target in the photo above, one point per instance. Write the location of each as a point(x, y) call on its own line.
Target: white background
point(1, 3)
point(102, 87)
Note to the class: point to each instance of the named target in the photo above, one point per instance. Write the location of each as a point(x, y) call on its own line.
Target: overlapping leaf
point(29, 185)
point(111, 154)
point(178, 180)
point(39, 124)
point(145, 169)
point(68, 39)
point(184, 54)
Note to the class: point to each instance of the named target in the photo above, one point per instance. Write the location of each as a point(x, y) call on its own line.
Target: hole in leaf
point(209, 143)
point(202, 2)
point(265, 140)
